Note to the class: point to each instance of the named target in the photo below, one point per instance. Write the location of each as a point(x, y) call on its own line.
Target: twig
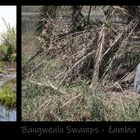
point(70, 101)
point(35, 55)
point(79, 61)
point(89, 14)
point(84, 57)
point(50, 85)
point(55, 116)
point(44, 105)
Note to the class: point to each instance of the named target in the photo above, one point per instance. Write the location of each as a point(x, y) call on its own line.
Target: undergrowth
point(77, 102)
point(8, 95)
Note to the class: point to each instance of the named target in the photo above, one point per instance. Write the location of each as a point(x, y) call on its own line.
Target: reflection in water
point(7, 115)
point(12, 75)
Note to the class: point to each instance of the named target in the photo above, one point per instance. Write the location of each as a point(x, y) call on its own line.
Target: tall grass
point(8, 43)
point(8, 56)
point(8, 95)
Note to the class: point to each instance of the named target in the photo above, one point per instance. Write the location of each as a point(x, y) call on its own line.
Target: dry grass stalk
point(49, 85)
point(70, 100)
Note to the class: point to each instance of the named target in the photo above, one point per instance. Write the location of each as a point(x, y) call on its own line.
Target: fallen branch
point(33, 57)
point(49, 85)
point(98, 56)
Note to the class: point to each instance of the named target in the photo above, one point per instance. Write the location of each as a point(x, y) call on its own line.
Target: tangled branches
point(104, 51)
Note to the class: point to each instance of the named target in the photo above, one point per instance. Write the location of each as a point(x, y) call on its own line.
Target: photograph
point(79, 63)
point(7, 63)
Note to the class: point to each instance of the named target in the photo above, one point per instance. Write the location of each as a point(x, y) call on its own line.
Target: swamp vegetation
point(79, 62)
point(8, 74)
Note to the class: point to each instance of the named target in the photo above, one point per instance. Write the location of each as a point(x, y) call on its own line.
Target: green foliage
point(3, 49)
point(45, 12)
point(8, 96)
point(1, 64)
point(8, 43)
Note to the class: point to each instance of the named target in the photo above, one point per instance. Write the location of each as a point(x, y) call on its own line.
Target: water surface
point(5, 113)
